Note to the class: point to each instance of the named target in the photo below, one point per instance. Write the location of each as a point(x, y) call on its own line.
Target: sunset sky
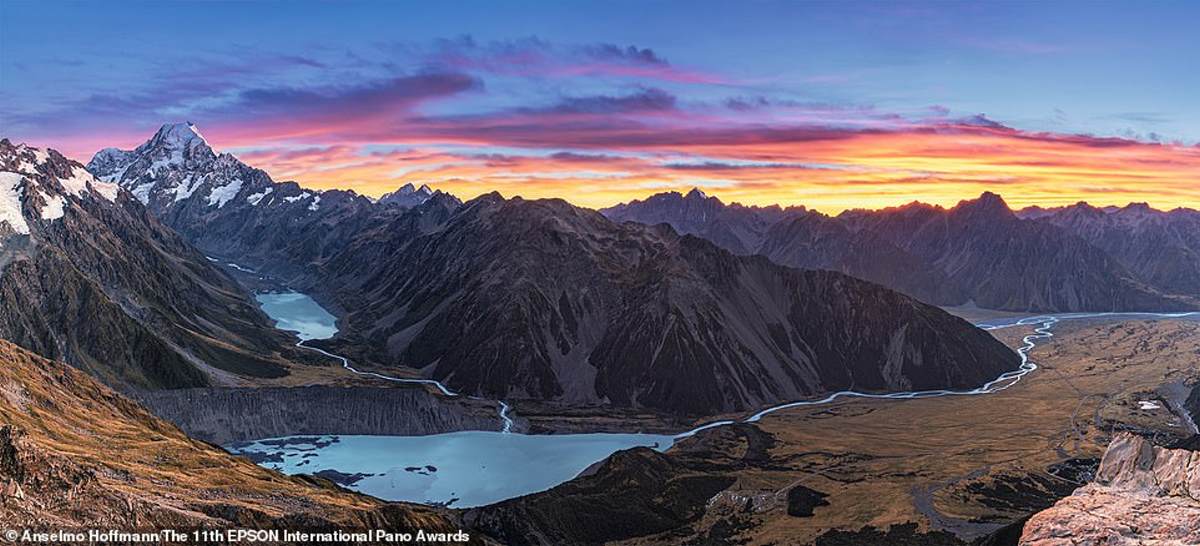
point(828, 105)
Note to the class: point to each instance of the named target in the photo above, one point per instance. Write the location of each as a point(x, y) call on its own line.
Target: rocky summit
point(1142, 494)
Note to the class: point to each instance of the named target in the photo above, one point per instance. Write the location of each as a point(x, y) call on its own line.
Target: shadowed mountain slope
point(539, 299)
point(89, 277)
point(1162, 248)
point(978, 252)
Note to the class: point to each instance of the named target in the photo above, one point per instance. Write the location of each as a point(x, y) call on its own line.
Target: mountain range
point(539, 299)
point(545, 301)
point(724, 308)
point(677, 306)
point(979, 252)
point(88, 276)
point(1160, 248)
point(233, 211)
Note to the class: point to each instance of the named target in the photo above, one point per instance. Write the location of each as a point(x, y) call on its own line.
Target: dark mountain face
point(816, 241)
point(407, 196)
point(794, 237)
point(978, 252)
point(1162, 249)
point(736, 228)
point(89, 277)
point(1005, 262)
point(539, 299)
point(237, 212)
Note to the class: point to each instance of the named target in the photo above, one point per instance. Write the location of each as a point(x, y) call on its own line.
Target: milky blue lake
point(460, 469)
point(296, 312)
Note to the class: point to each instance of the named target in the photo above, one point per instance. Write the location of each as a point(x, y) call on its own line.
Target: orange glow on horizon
point(872, 170)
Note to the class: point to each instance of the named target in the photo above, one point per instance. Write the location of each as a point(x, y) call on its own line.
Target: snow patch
point(26, 167)
point(186, 188)
point(180, 134)
point(1148, 405)
point(107, 190)
point(54, 208)
point(316, 204)
point(10, 202)
point(142, 192)
point(222, 195)
point(256, 198)
point(81, 179)
point(295, 198)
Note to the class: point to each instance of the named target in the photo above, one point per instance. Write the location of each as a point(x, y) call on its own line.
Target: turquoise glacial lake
point(459, 469)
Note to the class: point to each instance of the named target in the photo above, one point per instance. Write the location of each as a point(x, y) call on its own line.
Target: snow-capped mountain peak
point(178, 135)
point(175, 164)
point(175, 146)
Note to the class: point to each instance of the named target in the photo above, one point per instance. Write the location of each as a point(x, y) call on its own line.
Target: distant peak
point(1086, 207)
point(110, 152)
point(697, 193)
point(987, 203)
point(424, 189)
point(179, 135)
point(1138, 207)
point(991, 200)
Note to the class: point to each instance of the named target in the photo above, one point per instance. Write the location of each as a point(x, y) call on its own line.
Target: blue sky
point(82, 75)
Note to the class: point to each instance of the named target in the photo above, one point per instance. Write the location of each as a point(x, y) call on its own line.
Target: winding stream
point(453, 468)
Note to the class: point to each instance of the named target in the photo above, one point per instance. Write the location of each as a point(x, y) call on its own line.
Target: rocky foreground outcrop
point(1142, 494)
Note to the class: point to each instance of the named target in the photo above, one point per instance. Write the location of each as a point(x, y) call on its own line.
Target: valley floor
point(963, 464)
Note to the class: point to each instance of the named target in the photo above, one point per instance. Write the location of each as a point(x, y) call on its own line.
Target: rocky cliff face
point(542, 300)
point(89, 277)
point(1142, 494)
point(224, 416)
point(74, 454)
